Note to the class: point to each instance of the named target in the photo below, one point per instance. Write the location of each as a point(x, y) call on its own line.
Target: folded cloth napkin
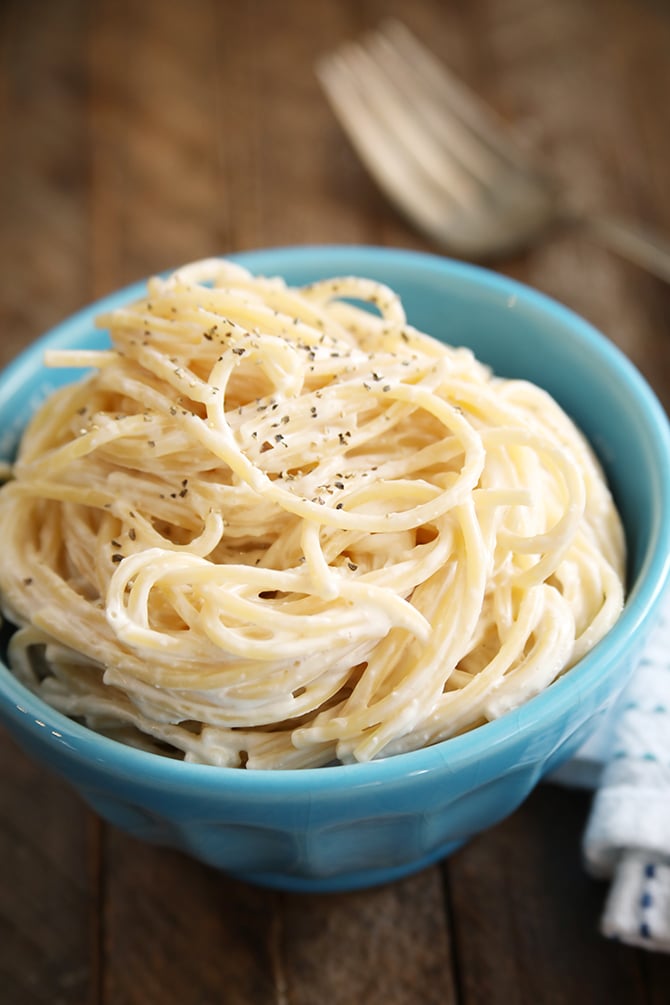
point(627, 837)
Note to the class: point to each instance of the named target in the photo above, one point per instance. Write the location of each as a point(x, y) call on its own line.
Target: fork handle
point(632, 241)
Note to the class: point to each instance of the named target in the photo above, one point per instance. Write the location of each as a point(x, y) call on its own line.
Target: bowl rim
point(80, 743)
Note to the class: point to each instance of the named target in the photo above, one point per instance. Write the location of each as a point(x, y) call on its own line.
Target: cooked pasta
point(273, 527)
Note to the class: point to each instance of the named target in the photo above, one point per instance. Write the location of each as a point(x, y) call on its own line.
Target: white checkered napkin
point(628, 834)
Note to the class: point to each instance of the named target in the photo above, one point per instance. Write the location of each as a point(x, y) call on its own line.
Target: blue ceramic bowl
point(358, 825)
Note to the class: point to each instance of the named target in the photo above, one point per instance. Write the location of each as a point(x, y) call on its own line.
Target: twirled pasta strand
point(274, 529)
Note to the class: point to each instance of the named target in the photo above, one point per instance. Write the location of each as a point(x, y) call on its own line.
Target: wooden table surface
point(139, 134)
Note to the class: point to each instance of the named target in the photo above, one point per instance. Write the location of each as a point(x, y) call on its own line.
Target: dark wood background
point(138, 134)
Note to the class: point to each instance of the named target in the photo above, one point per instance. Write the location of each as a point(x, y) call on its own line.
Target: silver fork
point(445, 159)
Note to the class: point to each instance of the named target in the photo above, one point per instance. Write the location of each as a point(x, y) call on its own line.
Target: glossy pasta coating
point(274, 529)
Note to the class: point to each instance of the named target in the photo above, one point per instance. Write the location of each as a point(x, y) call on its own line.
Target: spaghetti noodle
point(272, 528)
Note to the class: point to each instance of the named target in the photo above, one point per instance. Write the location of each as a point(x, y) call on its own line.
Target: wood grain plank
point(526, 914)
point(48, 840)
point(44, 170)
point(176, 931)
point(155, 196)
point(208, 138)
point(48, 887)
point(386, 946)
